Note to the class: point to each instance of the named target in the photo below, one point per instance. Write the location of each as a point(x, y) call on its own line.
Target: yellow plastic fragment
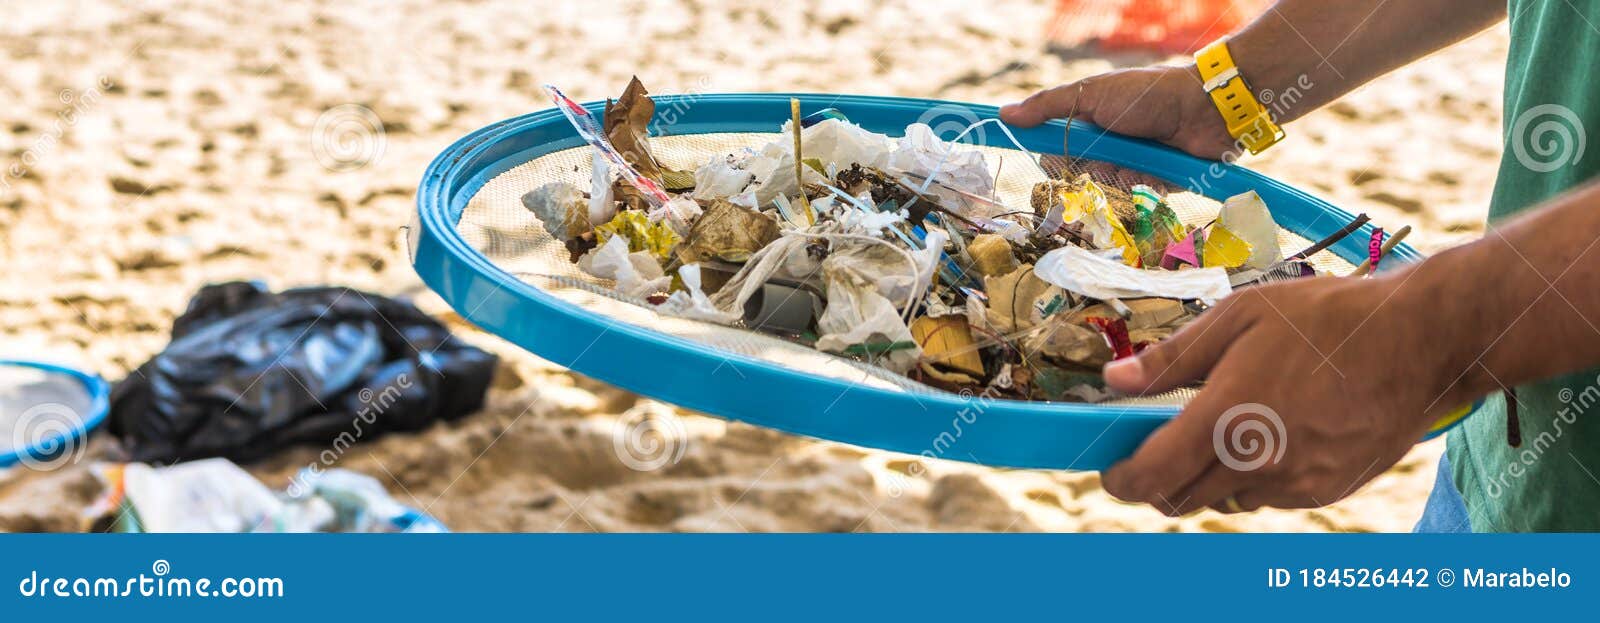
point(1224, 249)
point(1085, 201)
point(641, 234)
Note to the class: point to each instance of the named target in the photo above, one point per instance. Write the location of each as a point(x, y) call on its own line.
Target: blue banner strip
point(794, 577)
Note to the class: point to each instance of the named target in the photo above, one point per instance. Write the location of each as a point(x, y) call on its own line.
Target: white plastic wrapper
point(857, 311)
point(1009, 230)
point(721, 178)
point(785, 258)
point(921, 151)
point(1247, 216)
point(841, 143)
point(215, 495)
point(873, 223)
point(679, 213)
point(832, 141)
point(211, 495)
point(637, 274)
point(1081, 271)
point(602, 204)
point(693, 302)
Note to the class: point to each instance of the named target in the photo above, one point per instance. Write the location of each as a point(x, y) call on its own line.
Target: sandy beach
point(146, 151)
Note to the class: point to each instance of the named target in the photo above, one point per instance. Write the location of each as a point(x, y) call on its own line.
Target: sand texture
point(149, 150)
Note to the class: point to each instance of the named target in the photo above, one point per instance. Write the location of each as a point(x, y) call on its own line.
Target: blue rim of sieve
point(962, 427)
point(99, 405)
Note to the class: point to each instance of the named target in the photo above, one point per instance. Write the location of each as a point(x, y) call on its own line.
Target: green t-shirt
point(1551, 482)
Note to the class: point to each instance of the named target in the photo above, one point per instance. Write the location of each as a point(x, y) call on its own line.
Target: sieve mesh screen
point(496, 224)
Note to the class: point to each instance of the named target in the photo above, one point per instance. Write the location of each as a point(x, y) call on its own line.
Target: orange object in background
point(1164, 26)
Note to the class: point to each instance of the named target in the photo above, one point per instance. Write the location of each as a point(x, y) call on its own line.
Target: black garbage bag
point(249, 372)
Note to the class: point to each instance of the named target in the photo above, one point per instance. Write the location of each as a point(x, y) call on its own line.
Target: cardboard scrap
point(947, 346)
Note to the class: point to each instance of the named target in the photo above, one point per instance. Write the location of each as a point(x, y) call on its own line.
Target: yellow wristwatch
point(1248, 122)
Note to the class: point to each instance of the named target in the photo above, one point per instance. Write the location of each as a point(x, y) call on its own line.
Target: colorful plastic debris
point(642, 235)
point(1182, 253)
point(1224, 249)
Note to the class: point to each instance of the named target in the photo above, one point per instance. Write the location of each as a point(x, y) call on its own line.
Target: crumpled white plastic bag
point(921, 151)
point(841, 143)
point(693, 303)
point(721, 178)
point(211, 495)
point(785, 258)
point(858, 313)
point(637, 274)
point(831, 141)
point(1081, 271)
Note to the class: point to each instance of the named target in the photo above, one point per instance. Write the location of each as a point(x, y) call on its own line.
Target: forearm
point(1322, 50)
point(1520, 305)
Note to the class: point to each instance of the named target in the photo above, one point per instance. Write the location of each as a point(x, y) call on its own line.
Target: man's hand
point(1335, 375)
point(1166, 104)
point(1320, 49)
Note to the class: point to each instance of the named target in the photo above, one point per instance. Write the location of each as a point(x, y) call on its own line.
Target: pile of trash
point(214, 495)
point(899, 251)
point(250, 372)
